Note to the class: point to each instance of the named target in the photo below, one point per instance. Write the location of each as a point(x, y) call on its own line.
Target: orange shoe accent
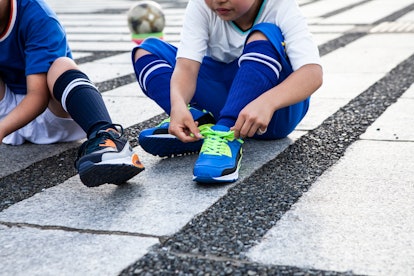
point(136, 162)
point(108, 143)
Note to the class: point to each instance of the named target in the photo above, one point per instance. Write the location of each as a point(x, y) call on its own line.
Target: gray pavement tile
point(16, 158)
point(34, 251)
point(320, 8)
point(240, 219)
point(369, 12)
point(100, 71)
point(370, 54)
point(357, 217)
point(103, 46)
point(319, 110)
point(347, 79)
point(89, 6)
point(409, 94)
point(396, 124)
point(324, 38)
point(344, 85)
point(409, 17)
point(128, 110)
point(164, 190)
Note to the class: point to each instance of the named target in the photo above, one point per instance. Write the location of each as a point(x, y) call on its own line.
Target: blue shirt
point(33, 39)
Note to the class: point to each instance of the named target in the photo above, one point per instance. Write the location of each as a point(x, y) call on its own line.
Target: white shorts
point(47, 128)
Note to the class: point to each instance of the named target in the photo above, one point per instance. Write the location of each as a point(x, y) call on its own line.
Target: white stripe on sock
point(69, 88)
point(262, 59)
point(142, 78)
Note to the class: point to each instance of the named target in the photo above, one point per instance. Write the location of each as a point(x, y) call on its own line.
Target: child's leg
point(263, 65)
point(213, 84)
point(153, 63)
point(73, 91)
point(106, 157)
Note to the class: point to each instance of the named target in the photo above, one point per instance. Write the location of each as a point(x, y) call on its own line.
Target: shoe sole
point(168, 145)
point(227, 178)
point(222, 179)
point(93, 175)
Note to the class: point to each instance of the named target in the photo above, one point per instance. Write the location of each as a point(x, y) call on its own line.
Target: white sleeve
point(195, 31)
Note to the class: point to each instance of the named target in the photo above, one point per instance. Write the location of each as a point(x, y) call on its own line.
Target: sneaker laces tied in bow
point(215, 142)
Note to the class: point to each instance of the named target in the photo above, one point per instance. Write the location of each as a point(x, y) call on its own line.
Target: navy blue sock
point(81, 99)
point(259, 71)
point(154, 76)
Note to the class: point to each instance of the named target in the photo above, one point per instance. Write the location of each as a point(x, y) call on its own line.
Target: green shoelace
point(215, 142)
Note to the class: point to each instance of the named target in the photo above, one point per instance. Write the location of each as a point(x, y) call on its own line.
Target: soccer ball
point(145, 18)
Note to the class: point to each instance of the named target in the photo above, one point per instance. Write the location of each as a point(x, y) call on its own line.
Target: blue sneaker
point(220, 156)
point(107, 157)
point(158, 141)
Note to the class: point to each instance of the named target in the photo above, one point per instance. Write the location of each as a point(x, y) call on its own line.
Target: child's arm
point(183, 85)
point(33, 104)
point(297, 87)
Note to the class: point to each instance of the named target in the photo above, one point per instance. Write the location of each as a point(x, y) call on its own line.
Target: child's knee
point(256, 35)
point(145, 48)
point(68, 82)
point(156, 46)
point(139, 53)
point(58, 67)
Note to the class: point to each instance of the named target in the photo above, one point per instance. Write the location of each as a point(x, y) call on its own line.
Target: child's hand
point(182, 125)
point(253, 119)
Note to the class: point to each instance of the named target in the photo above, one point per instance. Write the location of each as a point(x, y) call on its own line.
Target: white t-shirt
point(204, 33)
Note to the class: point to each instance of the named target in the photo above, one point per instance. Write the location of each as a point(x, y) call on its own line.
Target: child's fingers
point(194, 131)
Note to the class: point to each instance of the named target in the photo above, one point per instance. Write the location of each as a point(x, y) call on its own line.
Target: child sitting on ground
point(243, 68)
point(45, 98)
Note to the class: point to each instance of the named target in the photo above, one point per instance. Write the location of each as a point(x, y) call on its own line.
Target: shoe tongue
point(112, 132)
point(220, 128)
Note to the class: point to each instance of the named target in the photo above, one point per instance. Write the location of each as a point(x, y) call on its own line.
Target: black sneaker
point(107, 158)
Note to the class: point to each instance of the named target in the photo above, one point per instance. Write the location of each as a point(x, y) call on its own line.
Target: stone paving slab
point(397, 123)
point(323, 7)
point(346, 79)
point(369, 12)
point(128, 105)
point(106, 70)
point(39, 251)
point(164, 190)
point(357, 217)
point(16, 158)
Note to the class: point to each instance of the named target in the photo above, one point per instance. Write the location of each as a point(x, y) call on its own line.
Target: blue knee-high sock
point(154, 76)
point(81, 99)
point(259, 71)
